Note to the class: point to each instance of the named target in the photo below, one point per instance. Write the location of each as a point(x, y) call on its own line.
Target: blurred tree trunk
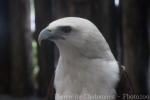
point(21, 39)
point(119, 33)
point(149, 45)
point(136, 42)
point(4, 47)
point(103, 15)
point(46, 50)
point(63, 8)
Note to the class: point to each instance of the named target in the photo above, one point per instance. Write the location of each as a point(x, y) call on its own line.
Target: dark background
point(26, 69)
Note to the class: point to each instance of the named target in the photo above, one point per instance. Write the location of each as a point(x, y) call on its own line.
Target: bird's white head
point(76, 36)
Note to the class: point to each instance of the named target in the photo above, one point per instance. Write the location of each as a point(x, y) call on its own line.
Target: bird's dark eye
point(49, 30)
point(66, 29)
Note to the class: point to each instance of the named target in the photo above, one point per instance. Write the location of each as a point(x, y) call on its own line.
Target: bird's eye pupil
point(66, 29)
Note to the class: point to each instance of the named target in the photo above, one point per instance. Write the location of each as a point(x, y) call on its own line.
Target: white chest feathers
point(86, 79)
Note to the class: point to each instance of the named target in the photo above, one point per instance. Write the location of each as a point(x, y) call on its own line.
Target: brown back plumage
point(124, 85)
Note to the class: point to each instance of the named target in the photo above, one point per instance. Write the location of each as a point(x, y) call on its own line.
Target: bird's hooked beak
point(46, 34)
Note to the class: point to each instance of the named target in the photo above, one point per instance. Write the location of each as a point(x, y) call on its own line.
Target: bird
point(86, 69)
